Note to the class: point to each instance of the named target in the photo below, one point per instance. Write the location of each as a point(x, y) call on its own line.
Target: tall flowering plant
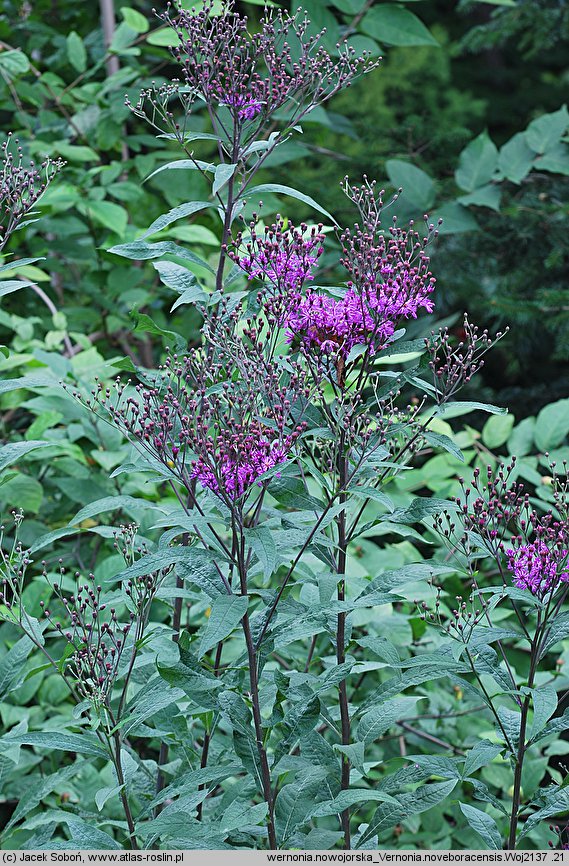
point(276, 443)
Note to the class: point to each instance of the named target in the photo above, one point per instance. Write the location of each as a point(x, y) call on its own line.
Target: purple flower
point(283, 257)
point(537, 568)
point(248, 107)
point(236, 461)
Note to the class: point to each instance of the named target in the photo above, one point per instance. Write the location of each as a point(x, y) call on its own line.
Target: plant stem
point(123, 794)
point(522, 747)
point(209, 732)
point(257, 721)
point(341, 641)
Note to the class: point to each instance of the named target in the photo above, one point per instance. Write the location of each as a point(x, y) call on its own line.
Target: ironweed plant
point(277, 443)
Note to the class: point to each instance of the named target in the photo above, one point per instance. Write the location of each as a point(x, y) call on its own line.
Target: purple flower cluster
point(238, 461)
point(284, 257)
point(247, 106)
point(537, 568)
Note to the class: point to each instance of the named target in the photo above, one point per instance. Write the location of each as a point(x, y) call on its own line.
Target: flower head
point(537, 567)
point(238, 459)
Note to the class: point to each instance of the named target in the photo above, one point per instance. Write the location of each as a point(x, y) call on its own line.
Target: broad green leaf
point(378, 720)
point(483, 824)
point(16, 450)
point(83, 744)
point(441, 440)
point(184, 165)
point(286, 190)
point(76, 52)
point(485, 196)
point(195, 565)
point(496, 430)
point(181, 280)
point(76, 152)
point(141, 251)
point(521, 438)
point(419, 509)
point(108, 214)
point(388, 814)
point(480, 755)
point(396, 25)
point(345, 799)
point(223, 174)
point(294, 801)
point(516, 157)
point(9, 286)
point(110, 504)
point(555, 160)
point(135, 20)
point(558, 630)
point(556, 801)
point(544, 700)
point(477, 163)
point(552, 425)
point(14, 63)
point(456, 219)
point(458, 408)
point(12, 665)
point(85, 837)
point(226, 613)
point(417, 186)
point(145, 325)
point(545, 131)
point(177, 213)
point(261, 540)
point(35, 792)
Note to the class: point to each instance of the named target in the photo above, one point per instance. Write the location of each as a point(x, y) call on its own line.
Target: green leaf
point(287, 190)
point(497, 429)
point(521, 438)
point(477, 163)
point(164, 38)
point(85, 837)
point(112, 503)
point(388, 814)
point(177, 213)
point(141, 251)
point(12, 665)
point(195, 565)
point(76, 52)
point(345, 799)
point(223, 174)
point(9, 286)
point(556, 801)
point(135, 20)
point(395, 25)
point(516, 158)
point(456, 219)
point(555, 160)
point(485, 196)
point(419, 509)
point(35, 792)
point(75, 152)
point(83, 744)
point(417, 186)
point(483, 824)
point(544, 705)
point(183, 165)
point(261, 540)
point(441, 440)
point(480, 755)
point(14, 63)
point(108, 214)
point(181, 280)
point(378, 720)
point(544, 132)
point(458, 408)
point(16, 450)
point(227, 611)
point(552, 425)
